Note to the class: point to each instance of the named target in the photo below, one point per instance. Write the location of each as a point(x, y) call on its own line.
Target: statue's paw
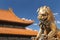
point(36, 38)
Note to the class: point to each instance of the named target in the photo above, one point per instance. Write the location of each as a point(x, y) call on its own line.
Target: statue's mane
point(47, 26)
point(48, 10)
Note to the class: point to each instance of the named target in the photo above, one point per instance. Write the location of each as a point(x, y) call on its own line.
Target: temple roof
point(16, 31)
point(8, 15)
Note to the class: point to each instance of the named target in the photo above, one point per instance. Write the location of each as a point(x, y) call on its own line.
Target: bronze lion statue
point(47, 23)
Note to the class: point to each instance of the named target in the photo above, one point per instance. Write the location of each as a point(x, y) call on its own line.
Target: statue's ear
point(38, 10)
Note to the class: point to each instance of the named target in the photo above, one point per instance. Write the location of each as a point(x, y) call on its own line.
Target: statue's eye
point(43, 14)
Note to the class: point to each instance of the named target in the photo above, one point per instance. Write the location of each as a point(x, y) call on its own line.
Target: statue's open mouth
point(44, 19)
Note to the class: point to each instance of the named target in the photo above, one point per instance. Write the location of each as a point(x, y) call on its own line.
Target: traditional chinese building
point(13, 28)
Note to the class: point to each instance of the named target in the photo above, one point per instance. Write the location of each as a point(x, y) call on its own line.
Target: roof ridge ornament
point(10, 9)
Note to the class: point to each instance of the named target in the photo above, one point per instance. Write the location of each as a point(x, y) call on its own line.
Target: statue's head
point(44, 13)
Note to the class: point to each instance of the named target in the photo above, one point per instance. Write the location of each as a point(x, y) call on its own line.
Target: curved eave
point(19, 22)
point(15, 31)
point(8, 15)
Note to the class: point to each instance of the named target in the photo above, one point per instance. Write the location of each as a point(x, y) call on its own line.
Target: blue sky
point(27, 9)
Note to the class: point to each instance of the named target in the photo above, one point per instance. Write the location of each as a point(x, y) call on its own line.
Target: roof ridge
point(10, 16)
point(11, 10)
